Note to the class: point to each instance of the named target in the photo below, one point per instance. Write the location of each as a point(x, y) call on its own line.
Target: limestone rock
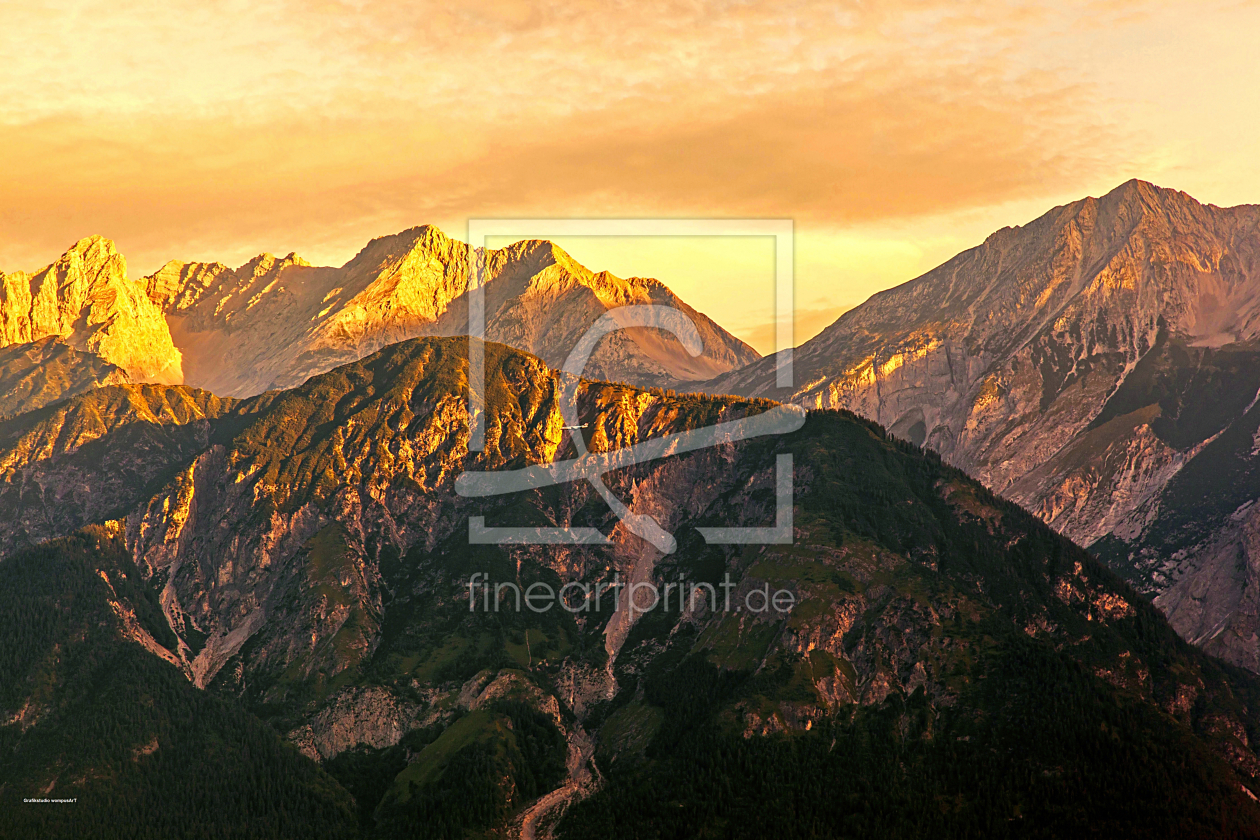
point(1078, 365)
point(42, 372)
point(274, 323)
point(86, 300)
point(95, 455)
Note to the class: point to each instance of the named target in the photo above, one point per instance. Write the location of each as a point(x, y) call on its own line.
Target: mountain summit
point(1077, 365)
point(277, 322)
point(86, 301)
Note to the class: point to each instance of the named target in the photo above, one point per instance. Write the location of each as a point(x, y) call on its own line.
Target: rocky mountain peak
point(94, 248)
point(542, 251)
point(415, 245)
point(276, 322)
point(532, 267)
point(177, 285)
point(86, 299)
point(91, 264)
point(1139, 255)
point(1137, 190)
point(1043, 303)
point(267, 263)
point(1077, 364)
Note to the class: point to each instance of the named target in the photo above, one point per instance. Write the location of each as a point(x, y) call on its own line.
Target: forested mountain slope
point(948, 664)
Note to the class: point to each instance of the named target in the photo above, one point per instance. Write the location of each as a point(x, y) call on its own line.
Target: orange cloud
point(876, 147)
point(217, 130)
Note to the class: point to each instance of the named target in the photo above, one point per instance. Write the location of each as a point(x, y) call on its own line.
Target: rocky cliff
point(86, 300)
point(42, 372)
point(1076, 365)
point(273, 323)
point(310, 563)
point(96, 454)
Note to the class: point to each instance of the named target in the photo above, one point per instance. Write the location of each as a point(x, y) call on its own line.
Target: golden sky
point(894, 133)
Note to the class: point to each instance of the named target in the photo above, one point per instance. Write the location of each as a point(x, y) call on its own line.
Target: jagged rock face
point(312, 560)
point(372, 716)
point(1002, 355)
point(277, 537)
point(1011, 358)
point(45, 371)
point(274, 323)
point(86, 300)
point(1215, 601)
point(95, 455)
point(1194, 547)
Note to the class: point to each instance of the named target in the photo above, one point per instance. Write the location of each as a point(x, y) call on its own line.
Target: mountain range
point(233, 559)
point(295, 567)
point(1097, 366)
point(275, 322)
